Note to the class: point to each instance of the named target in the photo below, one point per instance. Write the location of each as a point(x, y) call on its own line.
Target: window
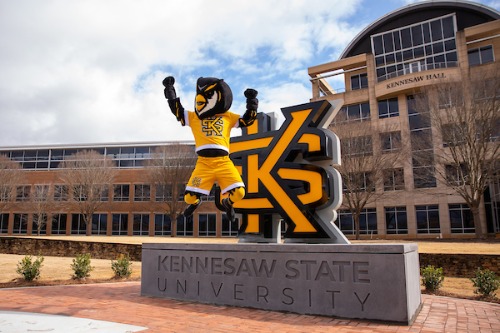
point(121, 192)
point(391, 141)
point(354, 112)
point(424, 177)
point(78, 225)
point(388, 108)
point(141, 224)
point(358, 182)
point(482, 55)
point(452, 134)
point(23, 193)
point(40, 224)
point(142, 192)
point(367, 222)
point(361, 145)
point(163, 226)
point(427, 219)
point(461, 220)
point(185, 226)
point(448, 97)
point(5, 193)
point(79, 193)
point(359, 81)
point(120, 224)
point(99, 224)
point(421, 140)
point(417, 47)
point(104, 193)
point(163, 192)
point(59, 224)
point(41, 193)
point(20, 224)
point(4, 223)
point(231, 228)
point(207, 225)
point(396, 220)
point(180, 191)
point(60, 193)
point(421, 146)
point(394, 180)
point(456, 175)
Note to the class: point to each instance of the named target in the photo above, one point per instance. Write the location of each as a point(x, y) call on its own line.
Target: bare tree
point(366, 169)
point(88, 175)
point(11, 175)
point(169, 171)
point(465, 114)
point(42, 202)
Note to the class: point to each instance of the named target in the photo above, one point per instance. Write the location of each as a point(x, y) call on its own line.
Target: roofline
point(95, 145)
point(429, 3)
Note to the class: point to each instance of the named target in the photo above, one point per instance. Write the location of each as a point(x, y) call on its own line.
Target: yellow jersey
point(212, 132)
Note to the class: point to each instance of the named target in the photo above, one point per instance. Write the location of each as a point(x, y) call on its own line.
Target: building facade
point(382, 69)
point(131, 205)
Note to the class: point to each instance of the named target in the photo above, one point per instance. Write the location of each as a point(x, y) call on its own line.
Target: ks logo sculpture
point(290, 172)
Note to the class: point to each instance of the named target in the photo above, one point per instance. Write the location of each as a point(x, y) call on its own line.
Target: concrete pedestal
point(376, 281)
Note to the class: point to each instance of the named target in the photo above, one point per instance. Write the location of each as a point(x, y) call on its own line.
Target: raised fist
point(250, 93)
point(252, 101)
point(169, 90)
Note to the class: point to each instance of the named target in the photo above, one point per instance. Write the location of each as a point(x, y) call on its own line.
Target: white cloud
point(91, 71)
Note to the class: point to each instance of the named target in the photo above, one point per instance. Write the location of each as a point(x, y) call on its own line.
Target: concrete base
point(375, 281)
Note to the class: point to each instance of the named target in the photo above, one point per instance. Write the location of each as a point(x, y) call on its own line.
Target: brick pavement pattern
point(121, 302)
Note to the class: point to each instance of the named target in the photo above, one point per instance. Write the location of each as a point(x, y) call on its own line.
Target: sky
point(90, 71)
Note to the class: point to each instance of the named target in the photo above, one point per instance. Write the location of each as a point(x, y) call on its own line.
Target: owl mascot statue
point(211, 124)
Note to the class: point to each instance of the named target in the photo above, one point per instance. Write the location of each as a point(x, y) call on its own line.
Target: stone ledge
point(455, 265)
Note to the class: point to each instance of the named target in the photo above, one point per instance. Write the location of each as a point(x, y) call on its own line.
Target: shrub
point(121, 266)
point(29, 268)
point(485, 282)
point(432, 278)
point(81, 266)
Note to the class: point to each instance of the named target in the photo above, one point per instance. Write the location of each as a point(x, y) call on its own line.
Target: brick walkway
point(122, 303)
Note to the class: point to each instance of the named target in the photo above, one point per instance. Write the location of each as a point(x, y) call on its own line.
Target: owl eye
point(209, 94)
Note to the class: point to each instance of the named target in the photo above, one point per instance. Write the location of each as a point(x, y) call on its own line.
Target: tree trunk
point(173, 221)
point(480, 233)
point(88, 225)
point(356, 224)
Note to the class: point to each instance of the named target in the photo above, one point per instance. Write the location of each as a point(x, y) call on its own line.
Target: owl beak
point(201, 102)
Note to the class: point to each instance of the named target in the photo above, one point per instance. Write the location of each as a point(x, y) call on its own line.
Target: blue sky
point(90, 71)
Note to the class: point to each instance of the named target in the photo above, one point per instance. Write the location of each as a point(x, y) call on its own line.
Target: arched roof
point(468, 14)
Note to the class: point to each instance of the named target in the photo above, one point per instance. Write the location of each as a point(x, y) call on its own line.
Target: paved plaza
point(119, 308)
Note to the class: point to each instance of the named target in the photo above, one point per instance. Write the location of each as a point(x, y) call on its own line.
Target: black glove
point(252, 101)
point(252, 105)
point(169, 90)
point(173, 102)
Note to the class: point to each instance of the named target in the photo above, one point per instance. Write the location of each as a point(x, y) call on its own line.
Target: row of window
point(387, 108)
point(393, 179)
point(121, 192)
point(43, 159)
point(427, 220)
point(392, 65)
point(120, 225)
point(396, 220)
point(363, 145)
